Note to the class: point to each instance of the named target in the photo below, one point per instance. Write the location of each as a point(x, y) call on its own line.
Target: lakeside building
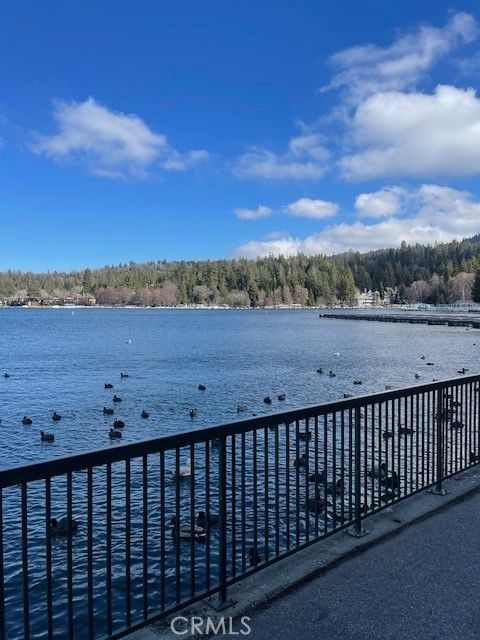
point(85, 300)
point(368, 298)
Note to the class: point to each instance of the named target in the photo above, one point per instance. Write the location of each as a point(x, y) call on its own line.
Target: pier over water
point(435, 319)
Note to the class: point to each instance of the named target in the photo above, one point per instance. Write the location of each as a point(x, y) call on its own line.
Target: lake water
point(59, 360)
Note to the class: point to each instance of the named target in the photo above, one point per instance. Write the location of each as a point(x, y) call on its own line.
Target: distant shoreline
point(402, 309)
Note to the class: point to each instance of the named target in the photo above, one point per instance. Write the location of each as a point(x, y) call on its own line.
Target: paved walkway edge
point(257, 591)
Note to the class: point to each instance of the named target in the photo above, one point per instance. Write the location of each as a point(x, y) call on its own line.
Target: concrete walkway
point(423, 583)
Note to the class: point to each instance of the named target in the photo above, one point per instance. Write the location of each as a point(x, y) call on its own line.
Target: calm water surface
point(59, 360)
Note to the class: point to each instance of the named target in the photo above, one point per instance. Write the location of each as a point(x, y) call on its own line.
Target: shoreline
point(175, 308)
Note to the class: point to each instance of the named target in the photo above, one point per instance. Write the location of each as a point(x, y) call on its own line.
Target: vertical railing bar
point(325, 471)
point(395, 441)
point(473, 440)
point(26, 602)
point(380, 453)
point(468, 445)
point(414, 426)
point(48, 559)
point(471, 429)
point(439, 440)
point(405, 443)
point(277, 495)
point(2, 570)
point(128, 550)
point(243, 500)
point(91, 629)
point(365, 450)
point(108, 573)
point(465, 417)
point(422, 459)
point(399, 443)
point(193, 520)
point(372, 477)
point(358, 479)
point(476, 430)
point(417, 436)
point(350, 464)
point(255, 488)
point(471, 445)
point(69, 557)
point(316, 473)
point(266, 488)
point(429, 433)
point(287, 483)
point(388, 466)
point(464, 420)
point(177, 527)
point(234, 506)
point(447, 434)
point(297, 484)
point(208, 568)
point(222, 546)
point(334, 463)
point(450, 452)
point(453, 434)
point(342, 462)
point(306, 475)
point(162, 533)
point(145, 535)
point(450, 436)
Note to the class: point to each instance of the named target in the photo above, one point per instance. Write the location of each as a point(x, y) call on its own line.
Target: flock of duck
point(323, 487)
point(114, 432)
point(418, 375)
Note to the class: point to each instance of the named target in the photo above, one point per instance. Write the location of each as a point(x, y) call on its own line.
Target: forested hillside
point(430, 273)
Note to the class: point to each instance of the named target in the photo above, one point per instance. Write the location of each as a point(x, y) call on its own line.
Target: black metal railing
point(146, 528)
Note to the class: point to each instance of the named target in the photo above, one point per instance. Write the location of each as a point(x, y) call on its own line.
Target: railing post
point(220, 601)
point(357, 530)
point(439, 490)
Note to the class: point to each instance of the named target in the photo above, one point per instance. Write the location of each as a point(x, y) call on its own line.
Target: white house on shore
point(368, 298)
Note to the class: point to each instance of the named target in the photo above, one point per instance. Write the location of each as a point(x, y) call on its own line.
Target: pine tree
point(476, 287)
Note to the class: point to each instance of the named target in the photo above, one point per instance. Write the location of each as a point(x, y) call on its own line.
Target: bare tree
point(418, 291)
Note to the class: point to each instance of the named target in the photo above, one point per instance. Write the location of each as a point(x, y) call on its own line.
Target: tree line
point(440, 273)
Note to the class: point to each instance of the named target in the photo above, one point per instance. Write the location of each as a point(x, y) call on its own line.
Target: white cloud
point(379, 204)
point(308, 208)
point(286, 246)
point(368, 69)
point(438, 214)
point(253, 214)
point(416, 134)
point(305, 159)
point(109, 143)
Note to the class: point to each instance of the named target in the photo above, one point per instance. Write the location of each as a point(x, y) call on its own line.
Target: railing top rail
point(81, 461)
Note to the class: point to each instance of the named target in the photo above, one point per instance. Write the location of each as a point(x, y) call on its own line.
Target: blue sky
point(143, 131)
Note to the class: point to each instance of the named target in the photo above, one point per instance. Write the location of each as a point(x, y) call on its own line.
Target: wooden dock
point(408, 318)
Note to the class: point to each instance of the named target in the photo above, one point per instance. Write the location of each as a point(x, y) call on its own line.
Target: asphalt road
point(422, 584)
